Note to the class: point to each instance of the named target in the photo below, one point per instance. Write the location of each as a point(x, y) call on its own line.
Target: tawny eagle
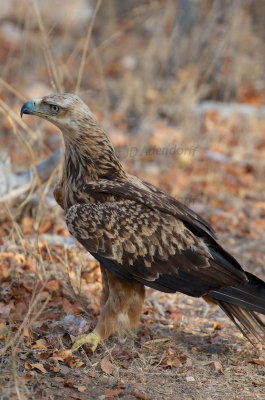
point(140, 235)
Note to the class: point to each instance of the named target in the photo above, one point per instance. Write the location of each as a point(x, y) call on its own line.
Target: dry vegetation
point(143, 67)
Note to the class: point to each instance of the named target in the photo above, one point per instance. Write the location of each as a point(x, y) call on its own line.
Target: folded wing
point(135, 242)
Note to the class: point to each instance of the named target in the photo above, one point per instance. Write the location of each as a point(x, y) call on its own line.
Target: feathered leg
point(105, 287)
point(120, 312)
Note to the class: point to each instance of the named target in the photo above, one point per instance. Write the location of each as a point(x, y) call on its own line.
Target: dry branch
point(228, 109)
point(13, 184)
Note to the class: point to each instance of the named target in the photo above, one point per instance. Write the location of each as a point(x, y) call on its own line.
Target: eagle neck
point(91, 157)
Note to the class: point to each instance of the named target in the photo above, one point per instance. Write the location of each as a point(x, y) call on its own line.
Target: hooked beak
point(30, 107)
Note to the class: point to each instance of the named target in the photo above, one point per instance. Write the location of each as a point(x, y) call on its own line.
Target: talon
point(92, 339)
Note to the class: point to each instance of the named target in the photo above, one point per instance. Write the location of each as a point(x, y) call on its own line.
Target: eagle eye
point(54, 108)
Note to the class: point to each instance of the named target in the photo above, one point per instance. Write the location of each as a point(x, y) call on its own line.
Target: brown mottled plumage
point(139, 234)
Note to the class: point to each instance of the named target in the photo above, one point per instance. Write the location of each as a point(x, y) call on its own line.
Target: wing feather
point(153, 199)
point(153, 247)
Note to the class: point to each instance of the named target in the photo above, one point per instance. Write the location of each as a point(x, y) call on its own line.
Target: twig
point(13, 90)
point(47, 52)
point(19, 184)
point(86, 44)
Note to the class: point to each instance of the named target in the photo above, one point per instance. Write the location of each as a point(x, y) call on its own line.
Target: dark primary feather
point(250, 295)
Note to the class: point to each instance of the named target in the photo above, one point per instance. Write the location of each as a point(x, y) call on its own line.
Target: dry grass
point(141, 66)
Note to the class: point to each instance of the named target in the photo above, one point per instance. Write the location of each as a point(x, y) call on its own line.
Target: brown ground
point(49, 288)
point(181, 350)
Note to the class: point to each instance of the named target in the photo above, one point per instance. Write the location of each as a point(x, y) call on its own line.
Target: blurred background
point(179, 86)
point(151, 72)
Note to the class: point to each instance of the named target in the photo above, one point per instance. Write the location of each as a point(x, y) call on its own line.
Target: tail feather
point(250, 295)
point(245, 320)
point(240, 304)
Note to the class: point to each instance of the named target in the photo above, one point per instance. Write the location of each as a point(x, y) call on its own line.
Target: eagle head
point(67, 111)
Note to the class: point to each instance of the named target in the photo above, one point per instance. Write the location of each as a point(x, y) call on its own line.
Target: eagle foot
point(91, 339)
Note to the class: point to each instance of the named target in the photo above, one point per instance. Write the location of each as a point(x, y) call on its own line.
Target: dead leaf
point(59, 379)
point(40, 344)
point(70, 308)
point(62, 355)
point(38, 366)
point(4, 272)
point(75, 396)
point(69, 383)
point(20, 311)
point(174, 359)
point(27, 365)
point(217, 325)
point(122, 364)
point(30, 264)
point(80, 388)
point(55, 368)
point(106, 366)
point(257, 383)
point(27, 225)
point(45, 225)
point(111, 393)
point(52, 285)
point(173, 362)
point(20, 258)
point(218, 367)
point(176, 315)
point(79, 363)
point(254, 361)
point(6, 254)
point(142, 396)
point(67, 357)
point(248, 94)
